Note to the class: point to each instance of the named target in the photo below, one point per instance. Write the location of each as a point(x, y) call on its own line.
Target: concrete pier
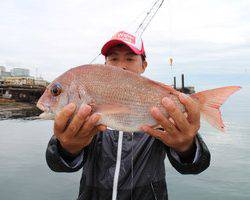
point(19, 101)
point(22, 93)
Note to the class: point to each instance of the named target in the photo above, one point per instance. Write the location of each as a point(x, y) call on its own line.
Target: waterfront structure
point(18, 85)
point(40, 81)
point(10, 80)
point(19, 80)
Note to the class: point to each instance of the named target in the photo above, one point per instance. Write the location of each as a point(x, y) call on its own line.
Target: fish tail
point(210, 102)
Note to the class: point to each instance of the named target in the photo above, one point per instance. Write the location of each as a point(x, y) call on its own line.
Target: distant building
point(5, 74)
point(18, 81)
point(20, 72)
point(41, 82)
point(2, 69)
point(19, 76)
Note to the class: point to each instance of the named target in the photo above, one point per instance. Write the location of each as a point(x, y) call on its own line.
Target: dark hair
point(143, 56)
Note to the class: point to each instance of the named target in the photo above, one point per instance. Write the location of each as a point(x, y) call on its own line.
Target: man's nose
point(123, 65)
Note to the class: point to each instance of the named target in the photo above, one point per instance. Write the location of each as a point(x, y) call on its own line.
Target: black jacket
point(99, 161)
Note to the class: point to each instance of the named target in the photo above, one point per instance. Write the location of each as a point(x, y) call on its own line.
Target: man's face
point(124, 57)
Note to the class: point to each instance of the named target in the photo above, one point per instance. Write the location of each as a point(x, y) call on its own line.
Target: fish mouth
point(42, 107)
point(47, 114)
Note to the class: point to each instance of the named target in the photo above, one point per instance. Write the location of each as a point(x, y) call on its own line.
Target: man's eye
point(113, 59)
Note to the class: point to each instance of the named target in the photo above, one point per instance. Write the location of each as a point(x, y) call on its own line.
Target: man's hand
point(81, 130)
point(179, 130)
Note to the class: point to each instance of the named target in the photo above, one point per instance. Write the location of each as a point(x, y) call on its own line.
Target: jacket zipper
point(117, 166)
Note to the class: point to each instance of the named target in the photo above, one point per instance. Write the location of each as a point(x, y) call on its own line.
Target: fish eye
point(56, 89)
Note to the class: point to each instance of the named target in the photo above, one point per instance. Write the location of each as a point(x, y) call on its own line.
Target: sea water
point(24, 174)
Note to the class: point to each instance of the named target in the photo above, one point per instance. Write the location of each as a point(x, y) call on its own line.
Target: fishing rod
point(148, 18)
point(94, 58)
point(145, 22)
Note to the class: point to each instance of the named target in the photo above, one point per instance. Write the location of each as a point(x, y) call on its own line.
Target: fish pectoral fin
point(109, 109)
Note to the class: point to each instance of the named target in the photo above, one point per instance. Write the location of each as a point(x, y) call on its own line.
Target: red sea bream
point(124, 98)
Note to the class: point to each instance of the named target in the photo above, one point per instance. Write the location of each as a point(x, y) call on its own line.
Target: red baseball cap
point(122, 37)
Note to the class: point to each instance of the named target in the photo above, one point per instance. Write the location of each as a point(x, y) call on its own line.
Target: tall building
point(20, 72)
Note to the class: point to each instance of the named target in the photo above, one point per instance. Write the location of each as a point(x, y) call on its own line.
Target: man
point(81, 144)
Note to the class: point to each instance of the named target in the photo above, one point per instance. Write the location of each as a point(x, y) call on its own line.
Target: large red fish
point(123, 98)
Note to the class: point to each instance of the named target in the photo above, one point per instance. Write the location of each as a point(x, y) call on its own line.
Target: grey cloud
point(56, 35)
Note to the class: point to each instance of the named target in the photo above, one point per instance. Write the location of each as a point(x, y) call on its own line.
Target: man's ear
point(144, 65)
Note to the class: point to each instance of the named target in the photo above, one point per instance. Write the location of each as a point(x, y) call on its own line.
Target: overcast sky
point(203, 36)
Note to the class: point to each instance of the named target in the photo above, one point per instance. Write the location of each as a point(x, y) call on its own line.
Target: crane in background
point(150, 14)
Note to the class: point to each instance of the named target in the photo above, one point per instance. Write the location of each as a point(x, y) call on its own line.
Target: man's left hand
point(179, 130)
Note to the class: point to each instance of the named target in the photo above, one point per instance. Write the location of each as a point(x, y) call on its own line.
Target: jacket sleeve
point(200, 164)
point(60, 160)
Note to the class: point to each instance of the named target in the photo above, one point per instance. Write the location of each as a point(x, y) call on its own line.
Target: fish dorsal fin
point(166, 87)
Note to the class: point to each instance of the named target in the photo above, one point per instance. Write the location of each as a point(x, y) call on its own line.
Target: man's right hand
point(79, 133)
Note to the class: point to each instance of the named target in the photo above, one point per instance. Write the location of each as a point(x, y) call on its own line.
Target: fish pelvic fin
point(210, 101)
